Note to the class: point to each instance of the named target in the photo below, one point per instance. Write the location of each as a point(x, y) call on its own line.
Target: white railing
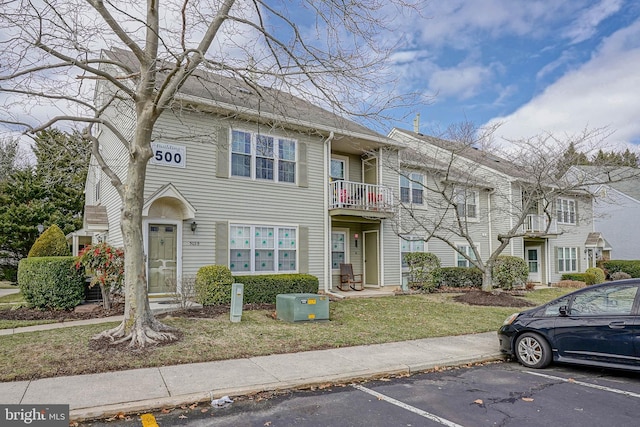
point(538, 224)
point(357, 195)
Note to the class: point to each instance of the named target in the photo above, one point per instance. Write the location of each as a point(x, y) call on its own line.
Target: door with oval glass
point(162, 258)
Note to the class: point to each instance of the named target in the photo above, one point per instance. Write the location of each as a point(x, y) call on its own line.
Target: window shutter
point(222, 243)
point(303, 248)
point(222, 160)
point(555, 260)
point(579, 255)
point(577, 214)
point(303, 175)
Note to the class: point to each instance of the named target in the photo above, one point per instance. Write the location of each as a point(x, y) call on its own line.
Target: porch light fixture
point(194, 225)
point(355, 237)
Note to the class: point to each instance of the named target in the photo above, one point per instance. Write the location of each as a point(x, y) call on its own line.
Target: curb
point(142, 406)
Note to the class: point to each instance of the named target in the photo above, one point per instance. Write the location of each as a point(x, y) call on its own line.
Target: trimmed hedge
point(263, 289)
point(631, 267)
point(51, 282)
point(598, 273)
point(460, 277)
point(588, 278)
point(213, 286)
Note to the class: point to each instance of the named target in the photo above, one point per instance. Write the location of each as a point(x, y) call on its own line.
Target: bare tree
point(468, 194)
point(51, 62)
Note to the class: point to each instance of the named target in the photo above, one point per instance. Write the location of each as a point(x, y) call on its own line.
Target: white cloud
point(462, 82)
point(586, 24)
point(601, 93)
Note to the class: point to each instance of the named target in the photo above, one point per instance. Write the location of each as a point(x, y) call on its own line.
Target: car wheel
point(533, 351)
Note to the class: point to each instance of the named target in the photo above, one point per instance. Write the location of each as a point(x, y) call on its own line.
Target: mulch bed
point(471, 297)
point(495, 299)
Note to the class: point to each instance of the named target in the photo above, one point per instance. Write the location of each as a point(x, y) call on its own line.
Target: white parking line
point(407, 407)
point(598, 387)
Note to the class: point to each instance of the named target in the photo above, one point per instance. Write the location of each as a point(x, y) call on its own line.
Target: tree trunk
point(139, 325)
point(487, 278)
point(106, 300)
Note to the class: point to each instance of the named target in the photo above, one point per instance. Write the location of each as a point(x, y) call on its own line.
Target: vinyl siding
point(235, 199)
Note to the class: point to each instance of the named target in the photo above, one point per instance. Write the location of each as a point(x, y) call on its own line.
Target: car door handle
point(617, 325)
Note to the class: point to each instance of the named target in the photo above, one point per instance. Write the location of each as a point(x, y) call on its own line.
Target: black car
point(598, 326)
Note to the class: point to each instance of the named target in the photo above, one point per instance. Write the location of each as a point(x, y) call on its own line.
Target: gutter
point(327, 219)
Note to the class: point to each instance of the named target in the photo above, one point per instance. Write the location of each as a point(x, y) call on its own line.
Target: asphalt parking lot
point(500, 394)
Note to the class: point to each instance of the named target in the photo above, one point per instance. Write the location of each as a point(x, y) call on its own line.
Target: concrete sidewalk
point(102, 395)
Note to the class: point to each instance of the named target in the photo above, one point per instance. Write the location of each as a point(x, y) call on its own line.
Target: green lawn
point(353, 322)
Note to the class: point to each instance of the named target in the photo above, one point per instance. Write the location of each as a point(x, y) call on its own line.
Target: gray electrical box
point(302, 307)
point(237, 294)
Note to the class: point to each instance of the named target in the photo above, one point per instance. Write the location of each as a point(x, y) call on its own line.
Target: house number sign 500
point(169, 155)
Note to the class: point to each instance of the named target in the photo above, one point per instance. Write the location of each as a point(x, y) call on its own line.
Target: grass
point(353, 322)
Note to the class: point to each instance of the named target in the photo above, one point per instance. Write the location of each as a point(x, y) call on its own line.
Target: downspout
point(327, 218)
point(489, 194)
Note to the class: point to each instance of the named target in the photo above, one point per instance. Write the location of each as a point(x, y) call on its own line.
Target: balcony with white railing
point(537, 224)
point(360, 199)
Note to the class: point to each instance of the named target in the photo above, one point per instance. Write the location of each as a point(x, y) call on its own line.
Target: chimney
point(416, 123)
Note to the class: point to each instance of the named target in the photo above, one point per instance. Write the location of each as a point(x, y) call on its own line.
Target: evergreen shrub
point(51, 282)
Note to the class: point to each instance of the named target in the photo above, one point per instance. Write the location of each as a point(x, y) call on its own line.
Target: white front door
point(533, 260)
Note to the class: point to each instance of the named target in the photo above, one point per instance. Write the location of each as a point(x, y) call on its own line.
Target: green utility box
point(302, 307)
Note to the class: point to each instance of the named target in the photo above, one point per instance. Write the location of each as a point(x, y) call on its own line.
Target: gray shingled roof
point(234, 96)
point(630, 184)
point(479, 156)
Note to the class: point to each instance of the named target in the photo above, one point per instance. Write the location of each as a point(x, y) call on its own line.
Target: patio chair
point(348, 280)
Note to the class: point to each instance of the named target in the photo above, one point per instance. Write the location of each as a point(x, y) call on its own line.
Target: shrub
point(598, 274)
point(460, 277)
point(631, 267)
point(424, 270)
point(588, 278)
point(509, 272)
point(213, 285)
point(51, 282)
point(620, 275)
point(105, 265)
point(263, 289)
point(50, 243)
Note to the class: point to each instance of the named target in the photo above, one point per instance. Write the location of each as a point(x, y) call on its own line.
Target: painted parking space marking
point(597, 387)
point(403, 405)
point(148, 420)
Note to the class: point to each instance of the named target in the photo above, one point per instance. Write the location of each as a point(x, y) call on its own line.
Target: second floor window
point(466, 201)
point(263, 157)
point(566, 211)
point(411, 188)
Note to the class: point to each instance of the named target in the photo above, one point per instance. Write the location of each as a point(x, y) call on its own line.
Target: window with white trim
point(567, 260)
point(338, 249)
point(263, 157)
point(411, 188)
point(338, 168)
point(410, 244)
point(566, 211)
point(461, 261)
point(466, 201)
point(262, 248)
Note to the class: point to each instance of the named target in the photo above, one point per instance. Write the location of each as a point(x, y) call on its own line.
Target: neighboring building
point(488, 193)
point(255, 179)
point(615, 208)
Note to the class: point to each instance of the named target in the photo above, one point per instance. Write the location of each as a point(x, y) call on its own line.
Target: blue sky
point(535, 66)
